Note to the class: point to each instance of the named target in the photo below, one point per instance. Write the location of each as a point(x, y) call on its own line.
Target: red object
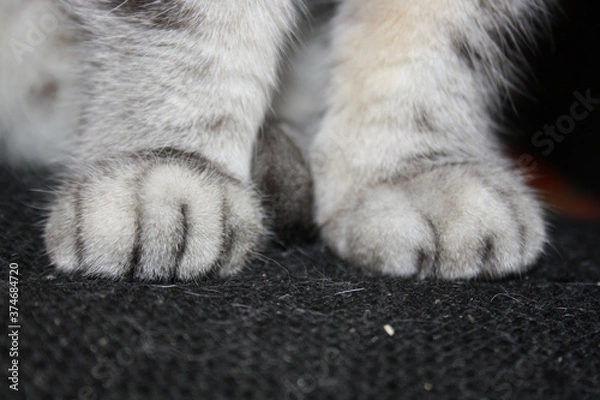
point(560, 194)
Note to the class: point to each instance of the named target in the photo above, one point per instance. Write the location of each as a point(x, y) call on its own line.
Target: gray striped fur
point(383, 134)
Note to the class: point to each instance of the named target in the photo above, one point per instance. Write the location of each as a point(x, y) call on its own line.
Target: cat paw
point(158, 215)
point(455, 222)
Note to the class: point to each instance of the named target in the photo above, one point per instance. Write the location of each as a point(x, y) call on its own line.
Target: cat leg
point(174, 93)
point(409, 178)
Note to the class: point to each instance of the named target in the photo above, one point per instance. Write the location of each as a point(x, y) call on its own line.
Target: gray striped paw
point(155, 215)
point(453, 222)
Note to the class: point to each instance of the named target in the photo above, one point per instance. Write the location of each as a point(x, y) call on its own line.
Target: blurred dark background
point(564, 64)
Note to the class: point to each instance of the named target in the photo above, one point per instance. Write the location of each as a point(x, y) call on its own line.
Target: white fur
point(34, 56)
point(409, 178)
point(203, 89)
point(376, 202)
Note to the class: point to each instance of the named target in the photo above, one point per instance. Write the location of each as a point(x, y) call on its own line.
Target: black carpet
point(300, 324)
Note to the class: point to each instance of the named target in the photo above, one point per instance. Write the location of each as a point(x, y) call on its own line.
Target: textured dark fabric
point(300, 324)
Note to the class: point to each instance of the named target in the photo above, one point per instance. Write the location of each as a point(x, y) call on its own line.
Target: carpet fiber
point(300, 324)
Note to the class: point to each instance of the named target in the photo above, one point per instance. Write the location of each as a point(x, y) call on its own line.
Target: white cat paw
point(159, 215)
point(454, 222)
